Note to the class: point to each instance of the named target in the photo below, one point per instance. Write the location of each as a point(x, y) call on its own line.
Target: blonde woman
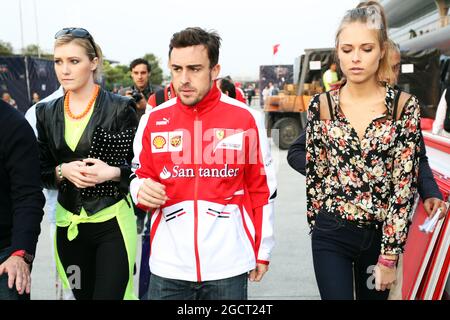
point(361, 166)
point(85, 140)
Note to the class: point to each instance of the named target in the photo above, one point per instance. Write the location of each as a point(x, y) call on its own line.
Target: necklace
point(86, 111)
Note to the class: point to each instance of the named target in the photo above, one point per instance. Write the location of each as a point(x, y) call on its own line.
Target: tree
point(6, 48)
point(116, 75)
point(31, 50)
point(34, 50)
point(157, 73)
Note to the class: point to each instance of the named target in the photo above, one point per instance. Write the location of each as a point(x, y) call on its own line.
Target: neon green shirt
point(74, 129)
point(329, 77)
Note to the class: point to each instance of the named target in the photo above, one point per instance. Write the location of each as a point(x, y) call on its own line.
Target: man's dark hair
point(197, 36)
point(135, 62)
point(228, 86)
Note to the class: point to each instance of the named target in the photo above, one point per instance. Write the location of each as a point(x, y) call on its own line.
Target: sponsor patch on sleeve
point(175, 141)
point(159, 141)
point(167, 141)
point(228, 139)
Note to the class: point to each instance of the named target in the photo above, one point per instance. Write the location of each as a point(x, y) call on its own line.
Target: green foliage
point(31, 50)
point(6, 48)
point(157, 73)
point(116, 76)
point(34, 50)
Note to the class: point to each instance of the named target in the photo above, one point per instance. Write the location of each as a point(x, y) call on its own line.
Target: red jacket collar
point(207, 103)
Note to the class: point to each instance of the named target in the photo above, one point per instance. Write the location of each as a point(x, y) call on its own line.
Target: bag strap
point(330, 106)
point(396, 99)
point(159, 95)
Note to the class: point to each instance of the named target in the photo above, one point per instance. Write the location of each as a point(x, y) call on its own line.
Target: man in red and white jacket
point(203, 163)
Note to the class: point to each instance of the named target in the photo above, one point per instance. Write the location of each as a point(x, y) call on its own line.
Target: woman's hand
point(431, 205)
point(99, 172)
point(73, 171)
point(384, 277)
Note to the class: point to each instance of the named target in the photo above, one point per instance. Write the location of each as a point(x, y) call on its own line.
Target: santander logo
point(180, 172)
point(165, 174)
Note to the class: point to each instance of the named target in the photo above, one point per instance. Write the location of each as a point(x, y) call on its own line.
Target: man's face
point(395, 59)
point(140, 76)
point(192, 76)
point(6, 97)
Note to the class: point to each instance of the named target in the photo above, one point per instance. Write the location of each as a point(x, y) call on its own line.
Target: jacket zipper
point(197, 256)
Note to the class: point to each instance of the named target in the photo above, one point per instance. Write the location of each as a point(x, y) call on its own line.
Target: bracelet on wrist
point(60, 175)
point(389, 257)
point(391, 264)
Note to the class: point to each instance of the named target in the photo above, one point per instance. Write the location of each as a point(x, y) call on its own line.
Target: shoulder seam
point(235, 103)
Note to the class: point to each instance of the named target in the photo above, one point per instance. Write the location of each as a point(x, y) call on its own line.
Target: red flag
point(275, 49)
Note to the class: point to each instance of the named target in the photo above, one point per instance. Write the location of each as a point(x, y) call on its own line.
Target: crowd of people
point(189, 166)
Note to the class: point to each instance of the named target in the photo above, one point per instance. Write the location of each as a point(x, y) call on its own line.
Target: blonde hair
point(372, 14)
point(380, 8)
point(88, 48)
point(393, 49)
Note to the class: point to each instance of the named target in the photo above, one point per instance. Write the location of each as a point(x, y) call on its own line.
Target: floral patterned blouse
point(364, 180)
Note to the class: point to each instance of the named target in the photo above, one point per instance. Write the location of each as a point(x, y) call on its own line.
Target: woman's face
point(359, 52)
point(73, 67)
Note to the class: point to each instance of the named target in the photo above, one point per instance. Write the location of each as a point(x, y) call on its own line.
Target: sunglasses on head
point(77, 33)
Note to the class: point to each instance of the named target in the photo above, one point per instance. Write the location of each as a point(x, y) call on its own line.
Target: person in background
point(427, 186)
point(50, 195)
point(35, 97)
point(330, 77)
point(227, 87)
point(250, 92)
point(7, 98)
point(142, 88)
point(266, 93)
point(441, 124)
point(239, 94)
point(395, 58)
point(161, 96)
point(85, 147)
point(21, 203)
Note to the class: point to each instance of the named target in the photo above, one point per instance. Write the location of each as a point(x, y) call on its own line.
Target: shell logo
point(159, 142)
point(175, 141)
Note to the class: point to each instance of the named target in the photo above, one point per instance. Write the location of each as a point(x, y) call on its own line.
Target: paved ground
point(291, 273)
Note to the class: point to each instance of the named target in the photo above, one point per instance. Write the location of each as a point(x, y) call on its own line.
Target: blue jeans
point(234, 288)
point(144, 271)
point(5, 292)
point(344, 256)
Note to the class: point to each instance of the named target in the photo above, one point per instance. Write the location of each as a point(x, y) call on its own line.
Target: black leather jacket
point(113, 113)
